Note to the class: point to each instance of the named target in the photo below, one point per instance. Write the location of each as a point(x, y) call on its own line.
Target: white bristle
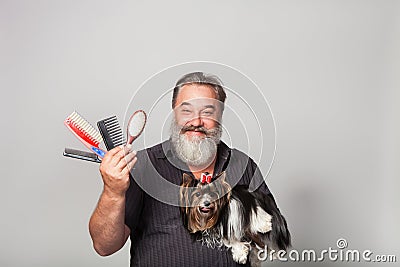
point(85, 127)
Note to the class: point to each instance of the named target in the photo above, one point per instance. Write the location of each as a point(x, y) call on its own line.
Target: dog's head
point(202, 203)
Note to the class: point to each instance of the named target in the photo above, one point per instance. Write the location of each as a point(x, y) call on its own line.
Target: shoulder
point(148, 158)
point(157, 147)
point(158, 150)
point(241, 158)
point(224, 151)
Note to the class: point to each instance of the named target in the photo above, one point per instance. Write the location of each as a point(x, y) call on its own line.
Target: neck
point(198, 170)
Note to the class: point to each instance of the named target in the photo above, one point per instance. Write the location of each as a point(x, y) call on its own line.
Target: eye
point(214, 195)
point(197, 194)
point(207, 112)
point(186, 111)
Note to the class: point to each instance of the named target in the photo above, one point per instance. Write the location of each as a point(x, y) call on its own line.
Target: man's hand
point(115, 168)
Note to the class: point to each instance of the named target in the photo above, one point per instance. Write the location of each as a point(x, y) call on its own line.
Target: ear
point(186, 180)
point(225, 188)
point(221, 177)
point(184, 201)
point(184, 193)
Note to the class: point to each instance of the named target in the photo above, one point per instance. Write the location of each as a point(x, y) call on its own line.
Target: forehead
point(195, 91)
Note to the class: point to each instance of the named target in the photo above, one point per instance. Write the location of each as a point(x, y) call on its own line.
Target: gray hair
point(200, 78)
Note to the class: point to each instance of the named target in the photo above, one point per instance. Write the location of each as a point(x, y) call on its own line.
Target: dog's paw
point(240, 252)
point(241, 259)
point(261, 221)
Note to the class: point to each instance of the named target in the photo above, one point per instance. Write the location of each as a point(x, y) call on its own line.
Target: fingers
point(126, 170)
point(114, 156)
point(110, 154)
point(129, 166)
point(117, 159)
point(127, 159)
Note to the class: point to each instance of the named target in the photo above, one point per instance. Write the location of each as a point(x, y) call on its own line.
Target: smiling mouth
point(195, 132)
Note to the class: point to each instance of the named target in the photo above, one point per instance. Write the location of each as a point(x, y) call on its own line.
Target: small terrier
point(241, 220)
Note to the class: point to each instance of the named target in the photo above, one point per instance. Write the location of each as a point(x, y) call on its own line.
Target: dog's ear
point(186, 180)
point(225, 188)
point(184, 195)
point(221, 177)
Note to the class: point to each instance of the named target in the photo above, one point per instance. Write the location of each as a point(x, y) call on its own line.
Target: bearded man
point(134, 202)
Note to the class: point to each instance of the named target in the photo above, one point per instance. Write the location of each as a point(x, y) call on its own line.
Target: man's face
point(196, 129)
point(197, 108)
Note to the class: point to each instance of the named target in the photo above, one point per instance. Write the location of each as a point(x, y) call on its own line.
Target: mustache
point(196, 129)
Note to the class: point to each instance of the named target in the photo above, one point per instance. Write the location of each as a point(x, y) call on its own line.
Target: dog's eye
point(214, 195)
point(197, 194)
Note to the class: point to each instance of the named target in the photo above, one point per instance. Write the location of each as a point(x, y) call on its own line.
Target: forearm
point(107, 224)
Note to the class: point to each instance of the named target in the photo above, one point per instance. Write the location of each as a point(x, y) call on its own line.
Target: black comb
point(79, 154)
point(111, 132)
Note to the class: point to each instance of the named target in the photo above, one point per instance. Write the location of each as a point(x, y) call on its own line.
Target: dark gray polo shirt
point(158, 237)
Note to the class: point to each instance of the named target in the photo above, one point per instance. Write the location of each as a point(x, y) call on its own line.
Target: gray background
point(329, 70)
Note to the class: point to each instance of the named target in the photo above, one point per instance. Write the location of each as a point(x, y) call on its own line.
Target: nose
point(196, 122)
point(207, 203)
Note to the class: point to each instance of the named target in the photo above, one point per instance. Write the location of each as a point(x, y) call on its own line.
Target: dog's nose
point(207, 203)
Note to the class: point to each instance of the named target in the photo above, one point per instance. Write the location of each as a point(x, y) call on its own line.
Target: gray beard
point(199, 151)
